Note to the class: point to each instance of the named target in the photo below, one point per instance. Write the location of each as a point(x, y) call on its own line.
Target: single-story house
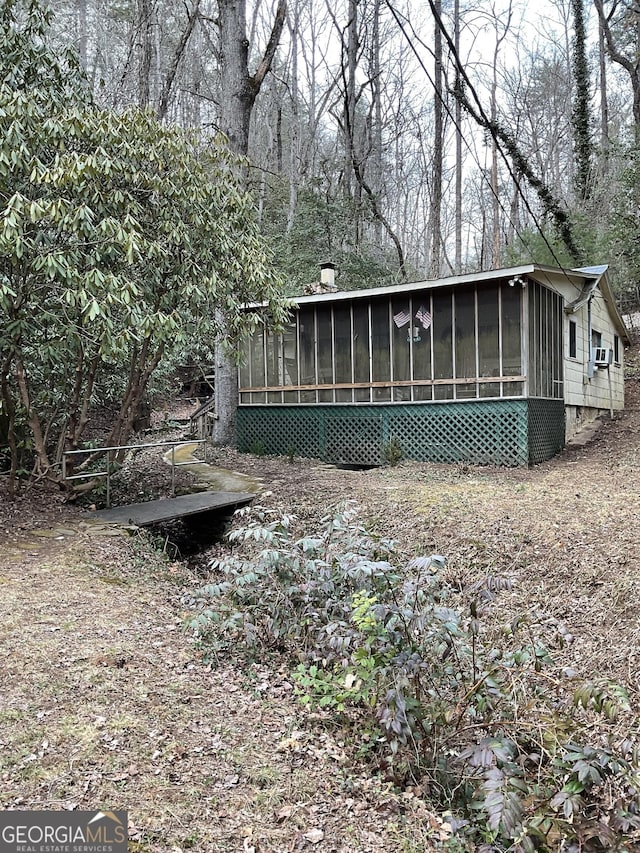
point(498, 367)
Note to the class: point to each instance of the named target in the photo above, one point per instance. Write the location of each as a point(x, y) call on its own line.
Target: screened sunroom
point(462, 369)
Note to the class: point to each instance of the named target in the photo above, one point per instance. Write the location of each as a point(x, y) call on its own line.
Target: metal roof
point(538, 271)
point(584, 279)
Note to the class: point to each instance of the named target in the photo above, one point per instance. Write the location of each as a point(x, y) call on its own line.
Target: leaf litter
point(106, 701)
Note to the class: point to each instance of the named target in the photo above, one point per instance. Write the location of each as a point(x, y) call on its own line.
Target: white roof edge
point(539, 271)
point(597, 271)
point(599, 280)
point(449, 281)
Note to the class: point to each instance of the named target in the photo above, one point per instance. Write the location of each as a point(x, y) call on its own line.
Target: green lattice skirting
point(500, 432)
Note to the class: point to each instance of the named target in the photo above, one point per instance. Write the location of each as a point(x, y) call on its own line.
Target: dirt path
point(105, 702)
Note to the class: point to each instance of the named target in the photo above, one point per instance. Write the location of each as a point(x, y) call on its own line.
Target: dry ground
point(105, 702)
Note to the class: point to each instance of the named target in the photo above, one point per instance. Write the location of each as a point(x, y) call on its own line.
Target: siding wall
point(580, 389)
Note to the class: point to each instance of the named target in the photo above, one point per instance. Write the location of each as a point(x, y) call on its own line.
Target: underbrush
point(430, 688)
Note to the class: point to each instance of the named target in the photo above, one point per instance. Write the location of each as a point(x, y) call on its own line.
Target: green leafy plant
point(392, 452)
point(130, 232)
point(466, 711)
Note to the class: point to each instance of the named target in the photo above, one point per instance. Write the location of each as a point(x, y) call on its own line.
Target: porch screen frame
point(383, 315)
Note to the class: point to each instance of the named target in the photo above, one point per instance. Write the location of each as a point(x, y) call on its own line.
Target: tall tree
point(501, 24)
point(509, 148)
point(581, 117)
point(165, 93)
point(374, 119)
point(81, 7)
point(356, 122)
point(349, 69)
point(604, 100)
point(621, 27)
point(438, 146)
point(458, 138)
point(239, 89)
point(145, 41)
point(294, 158)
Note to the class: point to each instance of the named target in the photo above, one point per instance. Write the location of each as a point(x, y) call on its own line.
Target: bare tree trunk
point(604, 102)
point(310, 51)
point(238, 91)
point(294, 142)
point(376, 128)
point(236, 94)
point(146, 52)
point(81, 8)
point(458, 132)
point(175, 62)
point(43, 465)
point(438, 152)
point(10, 409)
point(496, 242)
point(349, 119)
point(632, 68)
point(514, 212)
point(495, 189)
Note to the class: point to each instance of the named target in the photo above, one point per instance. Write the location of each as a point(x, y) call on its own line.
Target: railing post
point(110, 451)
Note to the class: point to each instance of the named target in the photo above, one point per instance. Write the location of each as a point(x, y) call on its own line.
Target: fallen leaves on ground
point(106, 701)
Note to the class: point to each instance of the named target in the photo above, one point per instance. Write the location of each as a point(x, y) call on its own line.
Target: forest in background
point(162, 165)
point(400, 140)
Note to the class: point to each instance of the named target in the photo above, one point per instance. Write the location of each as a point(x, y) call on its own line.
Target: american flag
point(401, 318)
point(424, 317)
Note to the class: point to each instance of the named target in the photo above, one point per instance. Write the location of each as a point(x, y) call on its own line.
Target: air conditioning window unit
point(602, 356)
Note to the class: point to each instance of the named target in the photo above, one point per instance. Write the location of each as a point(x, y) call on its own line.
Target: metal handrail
point(108, 450)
